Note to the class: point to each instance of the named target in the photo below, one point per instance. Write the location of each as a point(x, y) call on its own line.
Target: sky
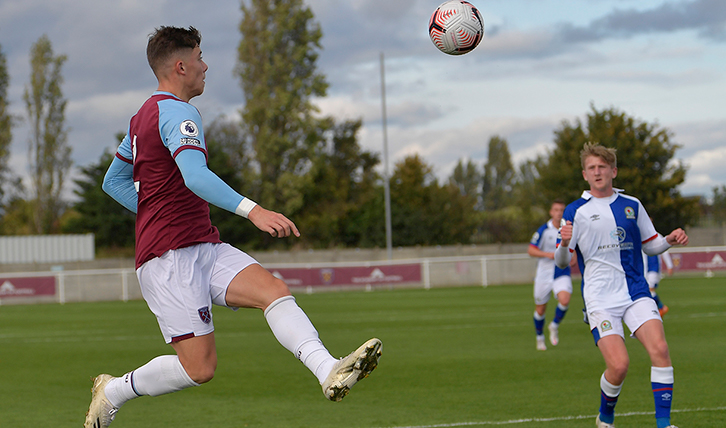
point(541, 64)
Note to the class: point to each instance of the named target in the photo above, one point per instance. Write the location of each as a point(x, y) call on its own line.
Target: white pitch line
point(562, 418)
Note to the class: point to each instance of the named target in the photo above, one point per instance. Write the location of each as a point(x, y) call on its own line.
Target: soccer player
point(608, 230)
point(549, 278)
point(160, 173)
point(653, 275)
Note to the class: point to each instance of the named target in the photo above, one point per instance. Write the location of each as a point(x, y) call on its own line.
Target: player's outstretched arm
point(208, 186)
point(273, 223)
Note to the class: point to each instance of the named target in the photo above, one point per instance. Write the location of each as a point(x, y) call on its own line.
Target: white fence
point(47, 248)
point(122, 284)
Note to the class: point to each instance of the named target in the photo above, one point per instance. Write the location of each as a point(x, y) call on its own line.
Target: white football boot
point(601, 424)
point(349, 370)
point(101, 412)
point(541, 346)
point(554, 333)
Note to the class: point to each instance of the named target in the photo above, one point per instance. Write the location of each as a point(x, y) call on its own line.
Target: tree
point(49, 153)
point(96, 212)
point(425, 213)
point(646, 168)
point(499, 175)
point(468, 179)
point(6, 135)
point(718, 208)
point(277, 68)
point(340, 183)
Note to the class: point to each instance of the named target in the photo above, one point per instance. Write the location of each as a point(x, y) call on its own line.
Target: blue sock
point(539, 321)
point(560, 313)
point(663, 395)
point(607, 408)
point(657, 301)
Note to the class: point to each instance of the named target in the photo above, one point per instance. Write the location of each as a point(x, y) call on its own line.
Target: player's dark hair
point(558, 201)
point(166, 41)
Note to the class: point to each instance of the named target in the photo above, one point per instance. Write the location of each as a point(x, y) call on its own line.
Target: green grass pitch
point(451, 357)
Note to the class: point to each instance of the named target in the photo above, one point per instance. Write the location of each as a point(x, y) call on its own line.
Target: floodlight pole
point(386, 183)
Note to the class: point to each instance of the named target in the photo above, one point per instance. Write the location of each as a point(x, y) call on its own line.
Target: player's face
point(556, 212)
point(196, 72)
point(599, 174)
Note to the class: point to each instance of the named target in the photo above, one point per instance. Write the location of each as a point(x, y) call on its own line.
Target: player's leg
point(653, 279)
point(651, 334)
point(255, 287)
point(654, 295)
point(662, 308)
point(609, 336)
point(542, 292)
point(176, 289)
point(198, 356)
point(539, 322)
point(193, 365)
point(562, 287)
point(617, 361)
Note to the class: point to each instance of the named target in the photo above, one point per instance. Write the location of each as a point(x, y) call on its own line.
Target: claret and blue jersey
point(169, 215)
point(160, 173)
point(607, 236)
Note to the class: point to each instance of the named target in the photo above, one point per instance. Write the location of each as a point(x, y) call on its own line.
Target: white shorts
point(542, 289)
point(181, 286)
point(610, 321)
point(653, 279)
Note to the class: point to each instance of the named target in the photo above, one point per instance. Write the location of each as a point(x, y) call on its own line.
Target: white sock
point(293, 329)
point(662, 374)
point(161, 375)
point(608, 388)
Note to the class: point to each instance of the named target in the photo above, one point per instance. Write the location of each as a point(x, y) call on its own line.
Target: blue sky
point(541, 62)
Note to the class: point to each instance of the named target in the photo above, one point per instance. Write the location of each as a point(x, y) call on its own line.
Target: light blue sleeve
point(124, 149)
point(119, 184)
point(205, 183)
point(180, 126)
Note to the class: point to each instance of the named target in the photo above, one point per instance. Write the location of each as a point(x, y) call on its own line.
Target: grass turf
point(451, 357)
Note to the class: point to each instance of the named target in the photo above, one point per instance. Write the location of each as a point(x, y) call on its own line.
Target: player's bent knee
point(202, 374)
point(619, 370)
point(660, 353)
point(275, 288)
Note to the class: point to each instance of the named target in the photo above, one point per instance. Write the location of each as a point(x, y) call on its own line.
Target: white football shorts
point(610, 321)
point(180, 286)
point(653, 278)
point(542, 289)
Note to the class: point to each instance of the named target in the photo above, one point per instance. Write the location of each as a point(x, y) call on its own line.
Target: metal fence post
point(60, 277)
point(484, 280)
point(124, 286)
point(427, 274)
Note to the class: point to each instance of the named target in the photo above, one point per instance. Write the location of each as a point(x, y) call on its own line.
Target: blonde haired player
point(607, 230)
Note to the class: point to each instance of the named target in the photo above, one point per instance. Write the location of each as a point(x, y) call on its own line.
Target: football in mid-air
point(456, 27)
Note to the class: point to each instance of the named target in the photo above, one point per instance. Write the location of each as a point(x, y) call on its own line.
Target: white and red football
point(456, 27)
